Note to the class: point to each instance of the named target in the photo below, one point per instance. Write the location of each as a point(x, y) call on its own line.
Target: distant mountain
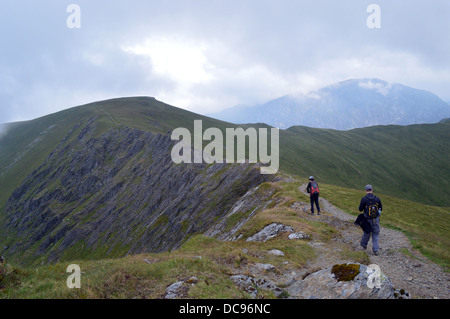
point(346, 105)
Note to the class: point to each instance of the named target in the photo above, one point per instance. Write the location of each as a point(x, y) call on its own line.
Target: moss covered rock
point(345, 272)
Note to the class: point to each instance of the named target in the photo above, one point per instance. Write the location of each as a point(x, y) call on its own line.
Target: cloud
point(177, 59)
point(3, 130)
point(380, 87)
point(209, 55)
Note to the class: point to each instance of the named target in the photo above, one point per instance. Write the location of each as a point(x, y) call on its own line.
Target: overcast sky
point(205, 56)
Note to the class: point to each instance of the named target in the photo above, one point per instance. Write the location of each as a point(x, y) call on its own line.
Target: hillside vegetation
point(96, 181)
point(212, 262)
point(410, 162)
point(107, 190)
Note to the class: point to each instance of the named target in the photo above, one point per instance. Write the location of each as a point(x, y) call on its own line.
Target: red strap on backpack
point(314, 189)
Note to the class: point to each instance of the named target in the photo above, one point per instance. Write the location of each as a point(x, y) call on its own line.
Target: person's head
point(311, 178)
point(368, 188)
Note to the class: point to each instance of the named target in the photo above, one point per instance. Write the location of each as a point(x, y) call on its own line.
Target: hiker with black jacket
point(313, 190)
point(370, 219)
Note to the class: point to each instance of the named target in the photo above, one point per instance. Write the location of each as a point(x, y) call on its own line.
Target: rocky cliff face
point(115, 193)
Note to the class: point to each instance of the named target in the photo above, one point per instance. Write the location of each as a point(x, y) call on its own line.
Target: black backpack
point(372, 207)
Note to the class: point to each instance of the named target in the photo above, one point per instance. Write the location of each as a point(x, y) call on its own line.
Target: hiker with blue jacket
point(313, 191)
point(370, 219)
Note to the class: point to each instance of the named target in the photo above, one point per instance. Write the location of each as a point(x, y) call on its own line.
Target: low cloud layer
point(209, 55)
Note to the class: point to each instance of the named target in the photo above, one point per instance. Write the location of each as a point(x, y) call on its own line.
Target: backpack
point(314, 188)
point(372, 207)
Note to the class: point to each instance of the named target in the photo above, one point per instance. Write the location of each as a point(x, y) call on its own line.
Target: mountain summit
point(346, 105)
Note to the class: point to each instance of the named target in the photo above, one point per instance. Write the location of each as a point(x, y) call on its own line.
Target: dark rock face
point(119, 193)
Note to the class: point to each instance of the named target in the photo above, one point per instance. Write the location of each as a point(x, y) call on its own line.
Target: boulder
point(337, 282)
point(174, 290)
point(276, 252)
point(270, 232)
point(180, 288)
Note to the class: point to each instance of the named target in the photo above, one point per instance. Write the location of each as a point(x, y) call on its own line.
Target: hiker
point(371, 205)
point(313, 191)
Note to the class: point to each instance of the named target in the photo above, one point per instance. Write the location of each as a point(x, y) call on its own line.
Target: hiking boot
point(376, 253)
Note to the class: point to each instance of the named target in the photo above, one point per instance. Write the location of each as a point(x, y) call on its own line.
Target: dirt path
point(406, 267)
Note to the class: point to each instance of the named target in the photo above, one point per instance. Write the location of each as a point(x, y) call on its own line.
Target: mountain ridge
point(65, 173)
point(345, 105)
point(101, 176)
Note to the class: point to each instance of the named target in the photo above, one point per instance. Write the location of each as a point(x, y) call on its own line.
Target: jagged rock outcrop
point(324, 284)
point(246, 207)
point(273, 230)
point(118, 192)
point(270, 231)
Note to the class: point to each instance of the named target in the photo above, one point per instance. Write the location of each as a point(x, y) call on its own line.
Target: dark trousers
point(375, 223)
point(314, 198)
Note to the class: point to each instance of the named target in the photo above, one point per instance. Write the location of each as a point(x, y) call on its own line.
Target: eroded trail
point(406, 267)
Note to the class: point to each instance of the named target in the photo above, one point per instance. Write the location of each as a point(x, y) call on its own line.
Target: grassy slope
point(408, 162)
point(28, 144)
point(40, 136)
point(404, 161)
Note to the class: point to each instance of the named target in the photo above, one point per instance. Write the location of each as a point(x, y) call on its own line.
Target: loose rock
point(253, 286)
point(266, 267)
point(270, 232)
point(276, 252)
point(298, 235)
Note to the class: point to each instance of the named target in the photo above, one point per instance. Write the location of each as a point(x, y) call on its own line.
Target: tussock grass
point(148, 275)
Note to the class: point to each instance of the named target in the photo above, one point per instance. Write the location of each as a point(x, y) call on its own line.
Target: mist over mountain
point(346, 105)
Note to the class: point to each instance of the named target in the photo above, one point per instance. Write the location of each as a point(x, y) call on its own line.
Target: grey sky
point(208, 55)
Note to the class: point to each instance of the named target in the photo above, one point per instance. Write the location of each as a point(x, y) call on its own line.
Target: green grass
point(411, 162)
point(131, 277)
